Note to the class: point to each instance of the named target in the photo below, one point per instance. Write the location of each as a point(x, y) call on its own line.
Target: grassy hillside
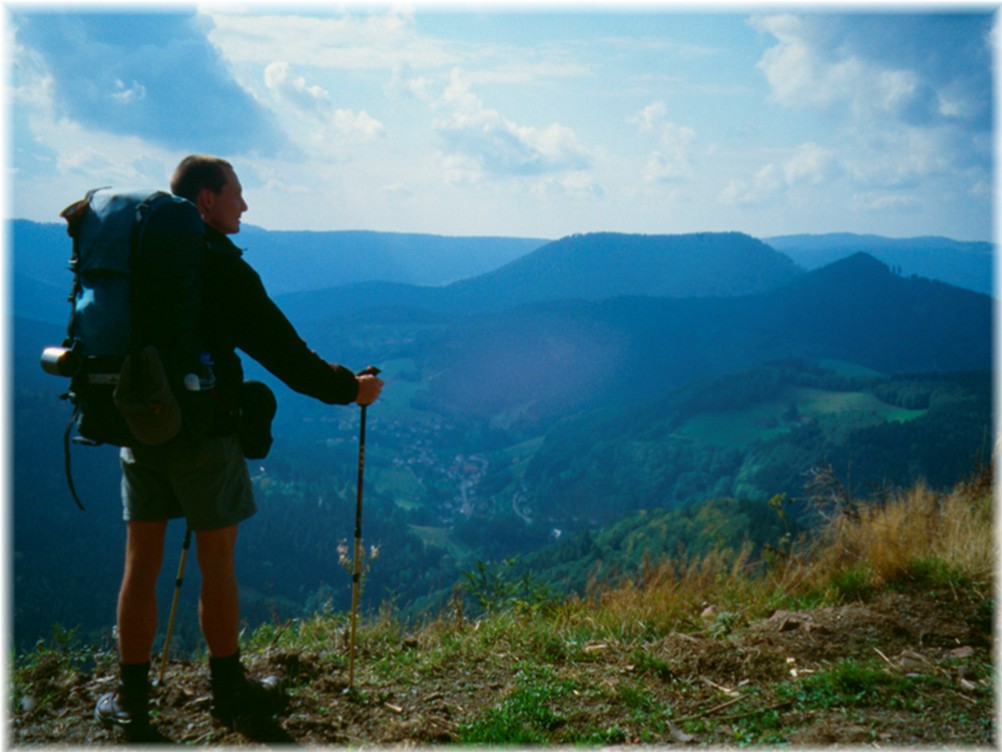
point(875, 631)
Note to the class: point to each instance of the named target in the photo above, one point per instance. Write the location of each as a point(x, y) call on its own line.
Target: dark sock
point(227, 670)
point(135, 676)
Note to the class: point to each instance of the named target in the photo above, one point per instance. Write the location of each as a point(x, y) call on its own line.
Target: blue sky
point(512, 121)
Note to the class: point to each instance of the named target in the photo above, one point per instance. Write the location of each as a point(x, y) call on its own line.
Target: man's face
point(222, 210)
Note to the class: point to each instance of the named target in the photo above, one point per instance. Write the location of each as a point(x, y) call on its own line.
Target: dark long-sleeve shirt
point(238, 314)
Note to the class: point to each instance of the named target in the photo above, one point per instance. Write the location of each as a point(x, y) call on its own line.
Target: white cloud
point(883, 70)
point(486, 143)
point(359, 124)
point(314, 100)
point(804, 74)
point(347, 42)
point(885, 202)
point(147, 82)
point(672, 160)
point(403, 83)
point(577, 184)
point(806, 167)
point(294, 89)
point(906, 101)
point(122, 93)
point(761, 190)
point(650, 117)
point(810, 165)
point(900, 157)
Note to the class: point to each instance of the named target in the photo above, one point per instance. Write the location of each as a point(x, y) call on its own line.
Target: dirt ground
point(715, 687)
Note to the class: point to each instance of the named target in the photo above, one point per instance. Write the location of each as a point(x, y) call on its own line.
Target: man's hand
point(369, 387)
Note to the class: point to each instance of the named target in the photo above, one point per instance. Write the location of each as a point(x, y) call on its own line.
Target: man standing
point(204, 478)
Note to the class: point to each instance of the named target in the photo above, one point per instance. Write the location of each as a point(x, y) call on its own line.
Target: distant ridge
point(605, 265)
point(589, 267)
point(288, 261)
point(967, 264)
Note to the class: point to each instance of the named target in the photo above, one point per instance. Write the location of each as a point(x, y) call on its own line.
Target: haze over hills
point(287, 261)
point(554, 356)
point(295, 260)
point(378, 269)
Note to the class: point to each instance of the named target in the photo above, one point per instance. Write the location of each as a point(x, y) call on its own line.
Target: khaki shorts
point(205, 480)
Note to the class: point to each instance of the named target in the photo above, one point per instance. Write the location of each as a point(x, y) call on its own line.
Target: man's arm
point(263, 332)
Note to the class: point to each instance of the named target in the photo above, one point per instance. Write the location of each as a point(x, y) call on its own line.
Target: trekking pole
point(356, 559)
point(173, 607)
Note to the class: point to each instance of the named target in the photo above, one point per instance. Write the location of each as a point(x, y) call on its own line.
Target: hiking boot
point(128, 712)
point(236, 697)
point(248, 698)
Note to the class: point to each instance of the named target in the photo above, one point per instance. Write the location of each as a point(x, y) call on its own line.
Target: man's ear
point(206, 198)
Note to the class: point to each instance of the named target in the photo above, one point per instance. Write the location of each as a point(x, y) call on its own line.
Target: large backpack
point(135, 302)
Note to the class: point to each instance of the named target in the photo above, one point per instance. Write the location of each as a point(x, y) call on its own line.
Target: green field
point(440, 538)
point(400, 484)
point(836, 413)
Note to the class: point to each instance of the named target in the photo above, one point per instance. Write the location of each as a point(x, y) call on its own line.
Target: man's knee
point(216, 548)
point(144, 548)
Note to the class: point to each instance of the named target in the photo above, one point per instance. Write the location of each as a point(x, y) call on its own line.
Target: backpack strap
point(66, 458)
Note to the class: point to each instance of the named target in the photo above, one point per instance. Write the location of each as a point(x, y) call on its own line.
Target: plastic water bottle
point(205, 379)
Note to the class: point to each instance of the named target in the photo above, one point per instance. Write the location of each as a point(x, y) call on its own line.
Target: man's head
point(211, 185)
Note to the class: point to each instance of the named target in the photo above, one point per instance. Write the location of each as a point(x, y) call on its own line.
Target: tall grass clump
point(674, 594)
point(917, 536)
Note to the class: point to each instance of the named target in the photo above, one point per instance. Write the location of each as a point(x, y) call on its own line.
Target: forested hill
point(607, 265)
point(965, 264)
point(562, 356)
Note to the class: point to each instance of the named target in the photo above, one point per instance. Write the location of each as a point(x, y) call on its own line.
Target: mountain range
point(373, 269)
point(545, 390)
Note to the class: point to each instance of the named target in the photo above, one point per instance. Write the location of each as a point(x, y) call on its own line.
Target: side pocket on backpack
point(256, 411)
point(144, 398)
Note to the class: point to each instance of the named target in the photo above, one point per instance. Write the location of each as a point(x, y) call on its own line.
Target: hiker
point(205, 478)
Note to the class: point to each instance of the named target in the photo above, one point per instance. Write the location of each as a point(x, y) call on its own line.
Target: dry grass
point(916, 531)
point(886, 541)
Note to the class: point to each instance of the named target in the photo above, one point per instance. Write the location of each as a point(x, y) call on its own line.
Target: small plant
point(929, 572)
point(44, 675)
point(525, 716)
point(604, 737)
point(494, 588)
point(345, 557)
point(848, 683)
point(645, 663)
point(854, 584)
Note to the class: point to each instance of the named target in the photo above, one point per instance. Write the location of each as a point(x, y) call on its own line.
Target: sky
point(515, 119)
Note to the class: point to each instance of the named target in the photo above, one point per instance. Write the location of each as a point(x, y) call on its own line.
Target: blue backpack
point(132, 350)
